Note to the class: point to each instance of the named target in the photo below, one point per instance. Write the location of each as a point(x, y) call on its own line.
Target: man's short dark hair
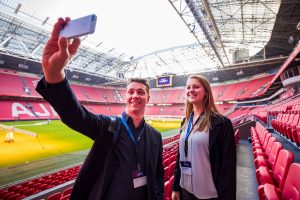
point(140, 80)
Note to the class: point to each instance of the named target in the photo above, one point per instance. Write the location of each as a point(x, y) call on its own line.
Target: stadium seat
point(29, 192)
point(67, 191)
point(168, 189)
point(278, 175)
point(259, 149)
point(237, 136)
point(16, 197)
point(65, 197)
point(292, 126)
point(55, 196)
point(260, 160)
point(291, 188)
point(6, 195)
point(166, 162)
point(166, 169)
point(171, 169)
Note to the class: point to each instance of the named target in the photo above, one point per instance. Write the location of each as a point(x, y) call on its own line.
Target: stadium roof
point(221, 28)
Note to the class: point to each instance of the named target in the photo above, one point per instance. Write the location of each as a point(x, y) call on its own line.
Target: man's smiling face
point(136, 98)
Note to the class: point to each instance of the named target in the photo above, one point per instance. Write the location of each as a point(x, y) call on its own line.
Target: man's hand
point(57, 53)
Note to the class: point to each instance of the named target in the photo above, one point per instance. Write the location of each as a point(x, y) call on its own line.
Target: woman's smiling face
point(195, 92)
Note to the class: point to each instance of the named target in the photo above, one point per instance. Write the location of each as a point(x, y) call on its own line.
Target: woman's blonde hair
point(209, 105)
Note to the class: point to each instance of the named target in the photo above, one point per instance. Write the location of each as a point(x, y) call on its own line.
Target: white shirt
point(200, 182)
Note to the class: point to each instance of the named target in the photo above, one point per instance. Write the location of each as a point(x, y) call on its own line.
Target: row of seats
point(272, 162)
point(65, 195)
point(169, 163)
point(288, 125)
point(287, 106)
point(239, 112)
point(36, 185)
point(171, 139)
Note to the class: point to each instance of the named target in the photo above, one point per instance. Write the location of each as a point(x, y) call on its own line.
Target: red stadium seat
point(278, 176)
point(171, 170)
point(55, 196)
point(292, 126)
point(168, 189)
point(166, 169)
point(66, 197)
point(291, 188)
point(269, 160)
point(237, 136)
point(67, 191)
point(15, 197)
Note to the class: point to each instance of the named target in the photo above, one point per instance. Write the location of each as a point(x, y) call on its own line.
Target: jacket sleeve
point(177, 171)
point(159, 179)
point(177, 174)
point(227, 189)
point(72, 113)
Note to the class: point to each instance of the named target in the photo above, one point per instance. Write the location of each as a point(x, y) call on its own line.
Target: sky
point(133, 27)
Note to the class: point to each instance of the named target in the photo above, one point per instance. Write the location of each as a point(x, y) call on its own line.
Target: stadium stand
point(33, 109)
point(11, 85)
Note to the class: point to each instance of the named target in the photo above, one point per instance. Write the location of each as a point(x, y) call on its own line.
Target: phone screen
point(79, 27)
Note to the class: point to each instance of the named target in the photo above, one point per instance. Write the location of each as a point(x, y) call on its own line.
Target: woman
point(206, 160)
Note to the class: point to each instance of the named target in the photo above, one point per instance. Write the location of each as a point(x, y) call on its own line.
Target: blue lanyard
point(189, 130)
point(129, 132)
point(189, 127)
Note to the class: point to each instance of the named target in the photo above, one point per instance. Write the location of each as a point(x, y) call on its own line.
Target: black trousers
point(189, 196)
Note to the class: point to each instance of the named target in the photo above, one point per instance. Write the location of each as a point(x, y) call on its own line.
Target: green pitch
point(54, 139)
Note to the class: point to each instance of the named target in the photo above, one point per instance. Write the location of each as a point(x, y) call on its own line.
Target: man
point(125, 162)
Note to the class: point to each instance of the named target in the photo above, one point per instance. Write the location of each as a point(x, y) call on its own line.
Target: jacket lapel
point(148, 143)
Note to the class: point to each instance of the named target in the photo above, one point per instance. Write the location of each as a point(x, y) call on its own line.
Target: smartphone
point(79, 27)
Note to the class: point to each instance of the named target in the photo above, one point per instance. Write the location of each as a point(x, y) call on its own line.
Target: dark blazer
point(222, 154)
point(101, 162)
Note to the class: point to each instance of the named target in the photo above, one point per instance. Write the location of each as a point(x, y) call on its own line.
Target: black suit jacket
point(222, 154)
point(102, 161)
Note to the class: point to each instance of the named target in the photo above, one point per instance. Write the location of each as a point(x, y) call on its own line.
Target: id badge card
point(139, 179)
point(186, 167)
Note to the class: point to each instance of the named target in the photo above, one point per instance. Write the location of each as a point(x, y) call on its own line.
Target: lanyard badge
point(139, 179)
